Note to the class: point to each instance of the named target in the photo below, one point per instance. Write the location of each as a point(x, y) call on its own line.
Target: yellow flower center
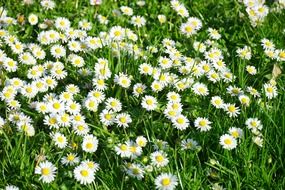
point(45, 171)
point(84, 173)
point(165, 181)
point(228, 141)
point(159, 158)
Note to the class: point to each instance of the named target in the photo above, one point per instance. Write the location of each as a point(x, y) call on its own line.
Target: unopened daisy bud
point(161, 18)
point(145, 159)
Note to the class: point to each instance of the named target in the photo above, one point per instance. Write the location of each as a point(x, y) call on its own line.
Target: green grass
point(246, 167)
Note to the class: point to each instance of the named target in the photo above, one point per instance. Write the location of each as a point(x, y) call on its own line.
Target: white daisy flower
point(149, 103)
point(228, 142)
point(90, 143)
point(47, 171)
point(84, 174)
point(166, 181)
point(203, 124)
point(159, 159)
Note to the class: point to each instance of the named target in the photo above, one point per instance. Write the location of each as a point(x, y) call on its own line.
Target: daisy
point(40, 85)
point(270, 90)
point(33, 19)
point(214, 34)
point(138, 89)
point(93, 42)
point(99, 84)
point(189, 144)
point(97, 95)
point(11, 187)
point(244, 100)
point(141, 141)
point(91, 165)
point(73, 89)
point(180, 122)
point(83, 174)
point(159, 159)
point(251, 70)
point(14, 104)
point(80, 128)
point(73, 107)
point(123, 120)
point(138, 21)
point(107, 117)
point(18, 48)
point(232, 110)
point(48, 4)
point(123, 150)
point(267, 44)
point(90, 143)
point(58, 51)
point(171, 113)
point(203, 124)
point(214, 54)
point(15, 82)
point(200, 89)
point(236, 132)
point(2, 122)
point(91, 104)
point(244, 53)
point(47, 171)
point(113, 104)
point(258, 140)
point(213, 76)
point(29, 90)
point(145, 69)
point(66, 97)
point(161, 18)
point(182, 11)
point(63, 119)
point(199, 46)
point(123, 80)
point(135, 150)
point(10, 65)
point(173, 97)
point(164, 62)
point(228, 142)
point(187, 29)
point(59, 140)
point(149, 103)
point(166, 181)
point(135, 170)
point(252, 91)
point(50, 82)
point(103, 19)
point(117, 33)
point(273, 54)
point(38, 53)
point(74, 46)
point(51, 121)
point(253, 123)
point(219, 65)
point(85, 25)
point(126, 10)
point(70, 159)
point(227, 76)
point(62, 23)
point(157, 86)
point(103, 72)
point(56, 106)
point(78, 118)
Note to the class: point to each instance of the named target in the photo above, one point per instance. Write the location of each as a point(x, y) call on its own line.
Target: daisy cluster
point(50, 86)
point(256, 10)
